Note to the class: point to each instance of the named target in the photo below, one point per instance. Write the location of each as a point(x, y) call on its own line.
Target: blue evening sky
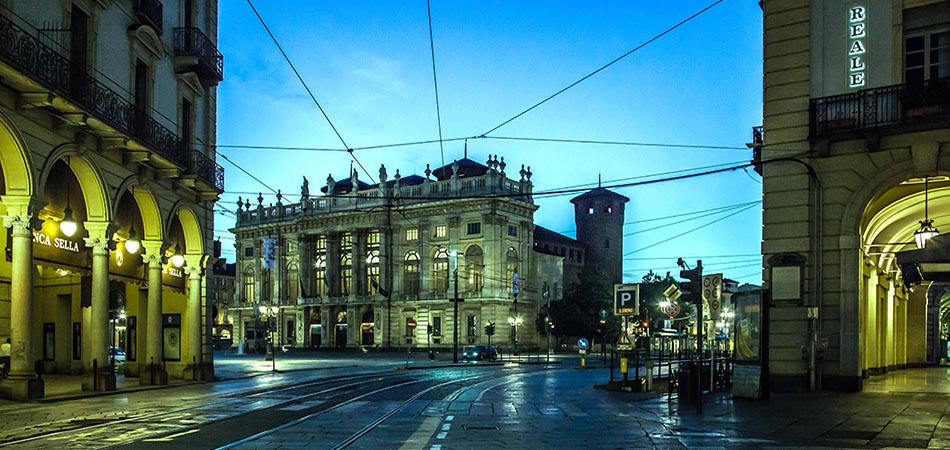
point(369, 65)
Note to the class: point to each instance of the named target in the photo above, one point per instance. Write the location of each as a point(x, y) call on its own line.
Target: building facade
point(379, 265)
point(854, 153)
point(107, 122)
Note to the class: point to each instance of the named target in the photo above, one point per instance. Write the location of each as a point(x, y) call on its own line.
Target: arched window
point(292, 289)
point(410, 278)
point(440, 271)
point(511, 267)
point(474, 268)
point(372, 272)
point(248, 291)
point(320, 276)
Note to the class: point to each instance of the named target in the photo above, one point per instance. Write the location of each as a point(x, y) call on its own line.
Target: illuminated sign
point(857, 46)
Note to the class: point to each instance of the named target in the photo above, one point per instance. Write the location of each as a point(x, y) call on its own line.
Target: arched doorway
point(367, 327)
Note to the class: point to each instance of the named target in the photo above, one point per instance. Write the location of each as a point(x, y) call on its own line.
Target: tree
point(578, 313)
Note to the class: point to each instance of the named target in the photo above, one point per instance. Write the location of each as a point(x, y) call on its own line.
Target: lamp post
point(268, 312)
point(455, 310)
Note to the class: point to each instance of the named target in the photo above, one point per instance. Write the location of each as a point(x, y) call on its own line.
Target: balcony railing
point(24, 52)
point(209, 61)
point(902, 107)
point(208, 170)
point(149, 12)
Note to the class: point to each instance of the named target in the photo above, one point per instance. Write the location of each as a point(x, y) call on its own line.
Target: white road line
point(436, 447)
point(170, 437)
point(441, 435)
point(446, 426)
point(449, 418)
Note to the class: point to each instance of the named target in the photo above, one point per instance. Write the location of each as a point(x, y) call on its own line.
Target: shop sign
point(857, 46)
point(50, 244)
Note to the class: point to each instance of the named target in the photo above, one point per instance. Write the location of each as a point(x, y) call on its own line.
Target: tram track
point(53, 431)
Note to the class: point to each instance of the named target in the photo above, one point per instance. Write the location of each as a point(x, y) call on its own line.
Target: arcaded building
point(107, 184)
point(854, 153)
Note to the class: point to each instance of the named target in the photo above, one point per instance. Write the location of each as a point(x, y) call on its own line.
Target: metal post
point(516, 328)
point(455, 321)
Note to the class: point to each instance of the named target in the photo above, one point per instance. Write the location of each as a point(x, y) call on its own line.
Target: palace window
point(474, 268)
point(372, 262)
point(412, 234)
point(346, 264)
point(440, 271)
point(440, 231)
point(437, 326)
point(410, 277)
point(512, 230)
point(249, 285)
point(475, 228)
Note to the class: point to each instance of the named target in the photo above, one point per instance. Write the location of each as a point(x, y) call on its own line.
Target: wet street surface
point(382, 405)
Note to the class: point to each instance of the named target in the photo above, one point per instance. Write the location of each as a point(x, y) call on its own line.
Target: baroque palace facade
point(107, 184)
point(855, 158)
point(376, 265)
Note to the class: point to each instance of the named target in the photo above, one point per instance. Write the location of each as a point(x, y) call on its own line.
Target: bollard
point(95, 374)
point(649, 376)
point(582, 362)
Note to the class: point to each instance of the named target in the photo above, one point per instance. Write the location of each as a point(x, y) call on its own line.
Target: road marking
point(446, 427)
point(436, 447)
point(423, 434)
point(301, 406)
point(449, 418)
point(171, 436)
point(441, 435)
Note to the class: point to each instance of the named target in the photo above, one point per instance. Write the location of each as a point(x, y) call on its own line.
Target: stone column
point(22, 384)
point(98, 325)
point(154, 374)
point(192, 329)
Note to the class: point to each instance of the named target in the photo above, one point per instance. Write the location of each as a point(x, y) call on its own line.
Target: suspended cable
point(620, 143)
point(309, 92)
point(648, 42)
point(246, 172)
point(712, 213)
point(435, 82)
point(687, 232)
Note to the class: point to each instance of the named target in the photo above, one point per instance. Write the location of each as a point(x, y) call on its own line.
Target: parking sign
point(627, 299)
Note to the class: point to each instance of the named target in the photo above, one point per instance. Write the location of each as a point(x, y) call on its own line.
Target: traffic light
point(695, 277)
point(490, 329)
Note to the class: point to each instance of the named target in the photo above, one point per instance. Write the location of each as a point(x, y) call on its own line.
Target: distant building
point(375, 264)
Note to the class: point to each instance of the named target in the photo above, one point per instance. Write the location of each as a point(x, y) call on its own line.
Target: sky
point(692, 94)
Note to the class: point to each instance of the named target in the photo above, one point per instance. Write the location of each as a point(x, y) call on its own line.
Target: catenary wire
point(696, 217)
point(435, 81)
point(688, 231)
point(648, 42)
point(305, 86)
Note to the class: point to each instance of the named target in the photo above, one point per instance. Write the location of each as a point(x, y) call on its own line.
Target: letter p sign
point(627, 299)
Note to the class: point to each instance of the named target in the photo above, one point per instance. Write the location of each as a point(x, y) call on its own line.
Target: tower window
point(606, 243)
point(512, 230)
point(590, 211)
point(608, 209)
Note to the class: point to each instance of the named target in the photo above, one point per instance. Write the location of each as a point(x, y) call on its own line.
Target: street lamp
point(455, 308)
point(268, 312)
point(515, 322)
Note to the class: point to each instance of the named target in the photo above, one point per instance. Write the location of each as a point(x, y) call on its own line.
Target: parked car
point(480, 353)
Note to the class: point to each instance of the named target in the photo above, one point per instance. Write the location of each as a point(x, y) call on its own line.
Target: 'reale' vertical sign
point(857, 46)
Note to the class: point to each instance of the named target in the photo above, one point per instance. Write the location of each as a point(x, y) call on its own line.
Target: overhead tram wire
point(435, 81)
point(618, 143)
point(673, 216)
point(246, 172)
point(688, 231)
point(658, 227)
point(702, 257)
point(648, 42)
point(305, 86)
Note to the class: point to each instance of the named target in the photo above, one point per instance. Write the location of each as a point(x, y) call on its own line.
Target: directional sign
point(582, 344)
point(624, 342)
point(603, 313)
point(673, 292)
point(626, 299)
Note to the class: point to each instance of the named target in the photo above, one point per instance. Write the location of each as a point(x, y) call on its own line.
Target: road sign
point(603, 313)
point(712, 293)
point(624, 342)
point(582, 344)
point(673, 292)
point(627, 299)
